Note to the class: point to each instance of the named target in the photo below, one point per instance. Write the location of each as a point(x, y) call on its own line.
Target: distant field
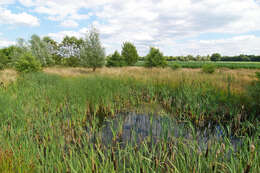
point(222, 64)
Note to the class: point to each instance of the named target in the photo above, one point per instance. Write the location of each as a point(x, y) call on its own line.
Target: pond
point(136, 128)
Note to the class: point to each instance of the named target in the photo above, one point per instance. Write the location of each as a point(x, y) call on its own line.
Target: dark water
point(135, 128)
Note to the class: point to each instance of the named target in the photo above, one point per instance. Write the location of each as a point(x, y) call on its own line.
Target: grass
point(50, 119)
point(218, 64)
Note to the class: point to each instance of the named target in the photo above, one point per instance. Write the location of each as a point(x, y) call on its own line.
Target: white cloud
point(69, 24)
point(7, 17)
point(161, 23)
point(243, 44)
point(6, 43)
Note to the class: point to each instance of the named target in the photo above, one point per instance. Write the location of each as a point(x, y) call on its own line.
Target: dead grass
point(238, 80)
point(7, 76)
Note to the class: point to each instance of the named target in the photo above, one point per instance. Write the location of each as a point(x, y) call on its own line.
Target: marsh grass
point(49, 121)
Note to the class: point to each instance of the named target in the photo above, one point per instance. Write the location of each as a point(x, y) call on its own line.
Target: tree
point(215, 57)
point(53, 49)
point(70, 47)
point(41, 51)
point(155, 58)
point(115, 60)
point(92, 53)
point(129, 53)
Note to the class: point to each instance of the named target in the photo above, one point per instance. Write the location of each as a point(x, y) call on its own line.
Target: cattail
point(252, 148)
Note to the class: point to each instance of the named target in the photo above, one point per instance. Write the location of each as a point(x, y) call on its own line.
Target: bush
point(175, 66)
point(3, 60)
point(115, 60)
point(27, 63)
point(208, 68)
point(155, 59)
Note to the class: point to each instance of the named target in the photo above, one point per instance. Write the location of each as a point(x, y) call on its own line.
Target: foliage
point(115, 60)
point(129, 53)
point(70, 47)
point(208, 68)
point(3, 60)
point(71, 62)
point(175, 66)
point(92, 53)
point(155, 58)
point(28, 63)
point(215, 57)
point(41, 50)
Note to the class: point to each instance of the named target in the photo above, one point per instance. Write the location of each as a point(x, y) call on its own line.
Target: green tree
point(215, 57)
point(155, 58)
point(53, 49)
point(115, 60)
point(129, 53)
point(92, 53)
point(41, 51)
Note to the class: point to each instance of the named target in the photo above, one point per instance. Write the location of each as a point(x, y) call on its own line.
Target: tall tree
point(92, 53)
point(40, 50)
point(129, 53)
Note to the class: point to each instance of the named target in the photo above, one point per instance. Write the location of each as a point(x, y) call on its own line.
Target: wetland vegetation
point(76, 120)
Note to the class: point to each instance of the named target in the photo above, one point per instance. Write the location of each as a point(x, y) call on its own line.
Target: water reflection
point(135, 128)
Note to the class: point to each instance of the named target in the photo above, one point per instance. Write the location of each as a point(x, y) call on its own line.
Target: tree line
point(38, 52)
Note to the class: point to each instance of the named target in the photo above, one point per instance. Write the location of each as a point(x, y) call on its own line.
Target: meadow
point(218, 64)
point(51, 121)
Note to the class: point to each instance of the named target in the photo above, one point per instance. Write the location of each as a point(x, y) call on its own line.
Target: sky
point(230, 27)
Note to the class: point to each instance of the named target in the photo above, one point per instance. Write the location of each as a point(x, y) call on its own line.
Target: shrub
point(27, 63)
point(155, 59)
point(129, 53)
point(3, 60)
point(175, 66)
point(208, 68)
point(115, 60)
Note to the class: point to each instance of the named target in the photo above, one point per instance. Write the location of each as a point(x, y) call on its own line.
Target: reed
point(52, 122)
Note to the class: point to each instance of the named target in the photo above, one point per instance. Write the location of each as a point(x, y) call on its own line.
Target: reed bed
point(50, 121)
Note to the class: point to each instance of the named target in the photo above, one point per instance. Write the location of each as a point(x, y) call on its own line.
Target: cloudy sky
point(177, 27)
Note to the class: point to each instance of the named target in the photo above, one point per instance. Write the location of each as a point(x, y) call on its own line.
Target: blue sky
point(184, 27)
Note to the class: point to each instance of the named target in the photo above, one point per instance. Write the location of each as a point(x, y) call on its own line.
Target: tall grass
point(48, 124)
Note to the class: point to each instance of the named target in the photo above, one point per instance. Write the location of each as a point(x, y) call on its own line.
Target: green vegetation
point(129, 53)
point(219, 64)
point(92, 53)
point(52, 124)
point(115, 60)
point(208, 68)
point(175, 66)
point(155, 58)
point(28, 63)
point(215, 57)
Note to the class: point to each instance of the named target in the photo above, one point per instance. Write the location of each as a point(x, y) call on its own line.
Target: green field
point(51, 123)
point(222, 64)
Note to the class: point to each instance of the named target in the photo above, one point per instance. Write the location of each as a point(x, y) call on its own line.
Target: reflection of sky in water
point(136, 128)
